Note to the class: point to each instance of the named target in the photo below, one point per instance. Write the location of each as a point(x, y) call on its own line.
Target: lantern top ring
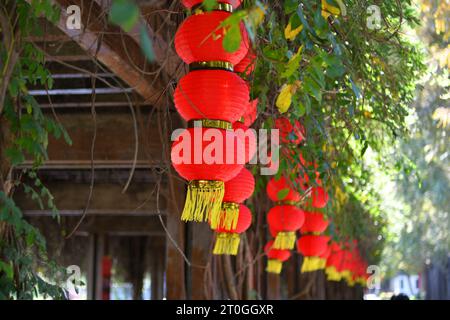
point(286, 202)
point(230, 205)
point(211, 65)
point(210, 123)
point(206, 184)
point(199, 9)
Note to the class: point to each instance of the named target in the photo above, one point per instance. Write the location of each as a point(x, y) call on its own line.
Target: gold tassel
point(333, 274)
point(227, 243)
point(274, 266)
point(311, 264)
point(227, 218)
point(203, 199)
point(284, 240)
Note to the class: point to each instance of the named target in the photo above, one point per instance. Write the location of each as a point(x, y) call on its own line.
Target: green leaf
point(146, 44)
point(124, 13)
point(209, 4)
point(15, 155)
point(232, 38)
point(282, 194)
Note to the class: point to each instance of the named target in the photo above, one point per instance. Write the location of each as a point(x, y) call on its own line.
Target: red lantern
point(280, 190)
point(199, 39)
point(211, 94)
point(190, 157)
point(247, 64)
point(190, 3)
point(227, 240)
point(334, 263)
point(247, 149)
point(276, 258)
point(237, 190)
point(251, 113)
point(314, 222)
point(290, 133)
point(319, 197)
point(311, 247)
point(285, 220)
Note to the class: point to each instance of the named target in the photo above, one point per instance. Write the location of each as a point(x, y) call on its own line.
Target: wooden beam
point(124, 62)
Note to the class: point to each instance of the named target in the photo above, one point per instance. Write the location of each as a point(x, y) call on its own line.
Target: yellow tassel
point(284, 240)
point(347, 276)
point(274, 266)
point(312, 264)
point(227, 243)
point(203, 199)
point(333, 274)
point(227, 218)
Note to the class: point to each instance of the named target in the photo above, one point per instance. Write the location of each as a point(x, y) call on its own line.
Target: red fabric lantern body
point(199, 39)
point(251, 113)
point(334, 263)
point(314, 222)
point(285, 220)
point(319, 197)
point(189, 155)
point(290, 133)
point(276, 258)
point(275, 186)
point(247, 64)
point(237, 190)
point(312, 247)
point(190, 3)
point(211, 94)
point(246, 151)
point(227, 240)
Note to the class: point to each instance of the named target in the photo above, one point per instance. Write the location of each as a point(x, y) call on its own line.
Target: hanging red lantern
point(190, 158)
point(319, 197)
point(237, 190)
point(285, 220)
point(276, 258)
point(280, 190)
point(199, 39)
point(251, 113)
point(312, 247)
point(211, 94)
point(227, 240)
point(314, 223)
point(247, 149)
point(334, 263)
point(191, 3)
point(247, 64)
point(290, 133)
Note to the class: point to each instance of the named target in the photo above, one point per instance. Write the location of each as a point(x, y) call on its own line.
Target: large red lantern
point(191, 3)
point(280, 190)
point(290, 133)
point(312, 247)
point(314, 223)
point(191, 157)
point(247, 149)
point(237, 190)
point(211, 94)
point(276, 257)
point(319, 197)
point(227, 240)
point(284, 220)
point(199, 40)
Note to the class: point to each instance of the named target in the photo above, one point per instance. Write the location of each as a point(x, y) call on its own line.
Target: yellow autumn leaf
point(284, 99)
point(328, 10)
point(290, 33)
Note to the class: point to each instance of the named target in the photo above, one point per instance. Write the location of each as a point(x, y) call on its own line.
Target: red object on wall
point(314, 222)
point(275, 186)
point(190, 3)
point(211, 94)
point(199, 38)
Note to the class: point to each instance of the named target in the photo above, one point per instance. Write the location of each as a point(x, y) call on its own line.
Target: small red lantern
point(311, 247)
point(190, 3)
point(199, 39)
point(227, 240)
point(251, 113)
point(285, 220)
point(290, 133)
point(247, 64)
point(211, 94)
point(334, 263)
point(280, 190)
point(206, 180)
point(319, 197)
point(314, 223)
point(237, 190)
point(247, 149)
point(276, 258)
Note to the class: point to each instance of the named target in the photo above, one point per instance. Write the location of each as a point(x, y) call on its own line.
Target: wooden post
point(94, 280)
